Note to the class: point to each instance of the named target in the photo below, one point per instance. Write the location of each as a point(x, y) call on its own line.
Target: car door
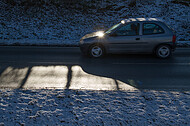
point(125, 39)
point(152, 35)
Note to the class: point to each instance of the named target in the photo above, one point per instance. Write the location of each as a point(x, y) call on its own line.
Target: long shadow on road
point(142, 71)
point(138, 71)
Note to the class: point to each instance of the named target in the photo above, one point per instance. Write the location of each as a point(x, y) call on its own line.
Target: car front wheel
point(163, 51)
point(96, 51)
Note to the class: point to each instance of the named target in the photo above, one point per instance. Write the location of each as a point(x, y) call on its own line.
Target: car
point(133, 35)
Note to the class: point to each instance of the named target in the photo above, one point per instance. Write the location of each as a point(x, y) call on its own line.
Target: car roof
point(141, 20)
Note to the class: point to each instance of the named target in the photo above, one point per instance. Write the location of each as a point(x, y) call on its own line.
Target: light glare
point(123, 22)
point(100, 34)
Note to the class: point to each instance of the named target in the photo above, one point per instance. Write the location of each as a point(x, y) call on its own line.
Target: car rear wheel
point(96, 51)
point(163, 51)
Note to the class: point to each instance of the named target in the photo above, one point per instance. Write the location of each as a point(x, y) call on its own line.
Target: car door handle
point(137, 38)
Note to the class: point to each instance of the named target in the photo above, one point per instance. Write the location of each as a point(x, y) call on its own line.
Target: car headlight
point(100, 34)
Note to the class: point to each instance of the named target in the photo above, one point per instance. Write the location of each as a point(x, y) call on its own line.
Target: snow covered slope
point(56, 22)
point(92, 108)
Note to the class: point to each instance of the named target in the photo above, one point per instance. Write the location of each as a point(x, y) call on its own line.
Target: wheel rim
point(164, 51)
point(96, 51)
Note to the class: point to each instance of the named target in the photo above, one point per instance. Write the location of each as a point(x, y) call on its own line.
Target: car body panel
point(138, 43)
point(125, 43)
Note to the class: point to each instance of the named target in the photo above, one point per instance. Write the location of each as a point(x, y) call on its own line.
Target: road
point(65, 68)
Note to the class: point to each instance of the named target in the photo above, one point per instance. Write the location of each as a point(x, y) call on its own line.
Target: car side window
point(128, 30)
point(151, 28)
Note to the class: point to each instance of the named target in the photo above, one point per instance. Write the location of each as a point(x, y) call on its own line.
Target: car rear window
point(151, 28)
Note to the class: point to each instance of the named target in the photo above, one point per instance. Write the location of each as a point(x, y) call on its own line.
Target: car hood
point(93, 34)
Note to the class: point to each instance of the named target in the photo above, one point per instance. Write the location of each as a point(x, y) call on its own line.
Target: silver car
point(134, 35)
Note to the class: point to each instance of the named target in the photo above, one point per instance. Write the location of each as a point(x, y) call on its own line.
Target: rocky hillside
point(67, 21)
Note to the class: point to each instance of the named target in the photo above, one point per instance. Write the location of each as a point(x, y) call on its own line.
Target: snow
point(90, 107)
point(55, 24)
point(40, 42)
point(183, 44)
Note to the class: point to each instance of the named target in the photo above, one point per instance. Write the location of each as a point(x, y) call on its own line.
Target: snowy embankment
point(64, 23)
point(183, 44)
point(37, 42)
point(85, 107)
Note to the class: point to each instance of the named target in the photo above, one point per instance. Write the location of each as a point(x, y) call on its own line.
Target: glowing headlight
point(123, 22)
point(100, 34)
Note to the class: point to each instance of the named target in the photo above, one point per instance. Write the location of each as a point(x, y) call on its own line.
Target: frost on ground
point(87, 107)
point(57, 22)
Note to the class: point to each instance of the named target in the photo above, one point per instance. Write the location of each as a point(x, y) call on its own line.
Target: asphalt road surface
point(66, 68)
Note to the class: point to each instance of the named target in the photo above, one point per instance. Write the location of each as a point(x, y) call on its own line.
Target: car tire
point(163, 51)
point(96, 51)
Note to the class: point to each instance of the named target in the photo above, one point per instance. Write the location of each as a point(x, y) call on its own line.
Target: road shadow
point(139, 71)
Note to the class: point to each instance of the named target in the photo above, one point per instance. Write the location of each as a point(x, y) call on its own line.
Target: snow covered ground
point(49, 23)
point(183, 43)
point(54, 22)
point(89, 107)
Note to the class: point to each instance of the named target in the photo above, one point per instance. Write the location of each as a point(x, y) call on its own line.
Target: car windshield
point(112, 28)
